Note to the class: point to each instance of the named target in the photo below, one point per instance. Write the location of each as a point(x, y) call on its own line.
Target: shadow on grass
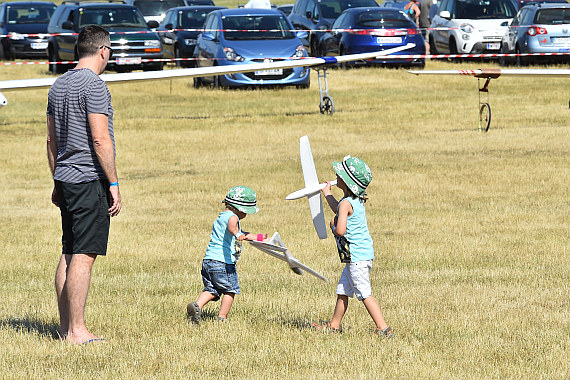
point(32, 325)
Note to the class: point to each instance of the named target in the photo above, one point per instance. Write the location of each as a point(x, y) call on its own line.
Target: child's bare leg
point(375, 312)
point(204, 298)
point(227, 301)
point(339, 310)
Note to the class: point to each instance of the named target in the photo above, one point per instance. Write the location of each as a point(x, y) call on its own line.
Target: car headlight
point(300, 52)
point(231, 55)
point(16, 36)
point(467, 28)
point(190, 41)
point(151, 43)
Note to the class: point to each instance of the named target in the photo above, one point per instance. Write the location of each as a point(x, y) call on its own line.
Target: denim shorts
point(355, 280)
point(219, 278)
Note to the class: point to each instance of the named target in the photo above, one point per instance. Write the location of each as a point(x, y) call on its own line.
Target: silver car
point(538, 28)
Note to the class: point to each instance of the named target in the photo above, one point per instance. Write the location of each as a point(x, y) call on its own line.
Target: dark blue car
point(26, 17)
point(365, 30)
point(181, 43)
point(251, 35)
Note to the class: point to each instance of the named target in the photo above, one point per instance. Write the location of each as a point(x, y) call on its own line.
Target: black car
point(20, 18)
point(181, 43)
point(320, 14)
point(156, 9)
point(131, 37)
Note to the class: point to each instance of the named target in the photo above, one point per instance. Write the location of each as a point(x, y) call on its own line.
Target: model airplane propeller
point(276, 248)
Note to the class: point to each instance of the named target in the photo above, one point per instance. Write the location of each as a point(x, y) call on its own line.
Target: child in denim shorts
point(219, 265)
point(354, 244)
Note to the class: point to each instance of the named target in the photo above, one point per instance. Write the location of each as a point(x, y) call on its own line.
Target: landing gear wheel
point(484, 117)
point(327, 106)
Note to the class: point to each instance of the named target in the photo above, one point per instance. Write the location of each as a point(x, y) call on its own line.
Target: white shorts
point(355, 280)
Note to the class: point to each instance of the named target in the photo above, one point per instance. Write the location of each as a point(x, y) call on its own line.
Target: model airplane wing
point(276, 248)
point(22, 84)
point(495, 73)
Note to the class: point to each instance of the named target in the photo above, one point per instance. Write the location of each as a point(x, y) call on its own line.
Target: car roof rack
point(93, 1)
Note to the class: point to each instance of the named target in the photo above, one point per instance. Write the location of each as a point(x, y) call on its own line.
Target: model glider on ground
point(312, 188)
point(316, 63)
point(276, 248)
point(488, 74)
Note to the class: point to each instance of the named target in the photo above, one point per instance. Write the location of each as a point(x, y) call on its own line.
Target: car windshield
point(192, 19)
point(25, 14)
point(155, 8)
point(270, 27)
point(552, 16)
point(484, 9)
point(333, 8)
point(380, 19)
point(111, 17)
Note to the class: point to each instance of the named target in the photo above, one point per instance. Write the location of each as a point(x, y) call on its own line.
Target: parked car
point(538, 28)
point(522, 3)
point(286, 9)
point(156, 9)
point(19, 18)
point(181, 43)
point(373, 29)
point(272, 39)
point(398, 4)
point(129, 49)
point(470, 26)
point(315, 15)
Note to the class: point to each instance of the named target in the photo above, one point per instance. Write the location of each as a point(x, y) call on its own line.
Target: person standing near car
point(413, 11)
point(425, 21)
point(81, 155)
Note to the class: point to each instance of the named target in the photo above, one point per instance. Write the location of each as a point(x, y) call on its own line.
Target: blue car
point(365, 30)
point(250, 35)
point(20, 18)
point(179, 43)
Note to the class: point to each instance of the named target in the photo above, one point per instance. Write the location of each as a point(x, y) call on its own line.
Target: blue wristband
point(114, 184)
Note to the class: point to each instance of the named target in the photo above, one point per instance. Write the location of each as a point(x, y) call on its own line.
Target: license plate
point(561, 40)
point(389, 40)
point(494, 46)
point(269, 72)
point(129, 60)
point(39, 45)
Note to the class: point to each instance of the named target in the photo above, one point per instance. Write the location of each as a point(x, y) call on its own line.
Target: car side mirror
point(152, 24)
point(208, 36)
point(169, 26)
point(505, 23)
point(445, 14)
point(302, 34)
point(68, 25)
point(309, 14)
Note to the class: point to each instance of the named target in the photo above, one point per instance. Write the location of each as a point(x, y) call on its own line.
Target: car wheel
point(55, 68)
point(197, 82)
point(314, 47)
point(1, 50)
point(453, 50)
point(521, 61)
point(178, 55)
point(343, 65)
point(502, 60)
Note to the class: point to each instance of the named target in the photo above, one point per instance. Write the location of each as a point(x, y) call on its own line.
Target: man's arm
point(103, 146)
point(52, 152)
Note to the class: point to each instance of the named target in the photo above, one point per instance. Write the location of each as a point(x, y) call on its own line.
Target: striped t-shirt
point(71, 98)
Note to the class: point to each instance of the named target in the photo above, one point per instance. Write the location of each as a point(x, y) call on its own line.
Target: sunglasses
point(110, 50)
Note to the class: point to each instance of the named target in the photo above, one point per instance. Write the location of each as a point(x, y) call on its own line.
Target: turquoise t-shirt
point(222, 242)
point(357, 234)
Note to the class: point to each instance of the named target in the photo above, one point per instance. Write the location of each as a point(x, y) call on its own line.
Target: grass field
point(471, 232)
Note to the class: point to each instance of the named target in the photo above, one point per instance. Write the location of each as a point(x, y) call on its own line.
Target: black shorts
point(84, 216)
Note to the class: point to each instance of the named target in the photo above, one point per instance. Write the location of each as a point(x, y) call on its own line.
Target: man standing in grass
point(81, 155)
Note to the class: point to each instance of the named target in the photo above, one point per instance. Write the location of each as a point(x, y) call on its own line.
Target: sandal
point(194, 313)
point(386, 333)
point(325, 327)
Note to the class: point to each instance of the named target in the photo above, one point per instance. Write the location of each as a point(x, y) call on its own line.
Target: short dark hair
point(90, 39)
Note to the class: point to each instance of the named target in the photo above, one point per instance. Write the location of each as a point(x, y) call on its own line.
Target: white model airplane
point(317, 63)
point(312, 188)
point(488, 74)
point(276, 248)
